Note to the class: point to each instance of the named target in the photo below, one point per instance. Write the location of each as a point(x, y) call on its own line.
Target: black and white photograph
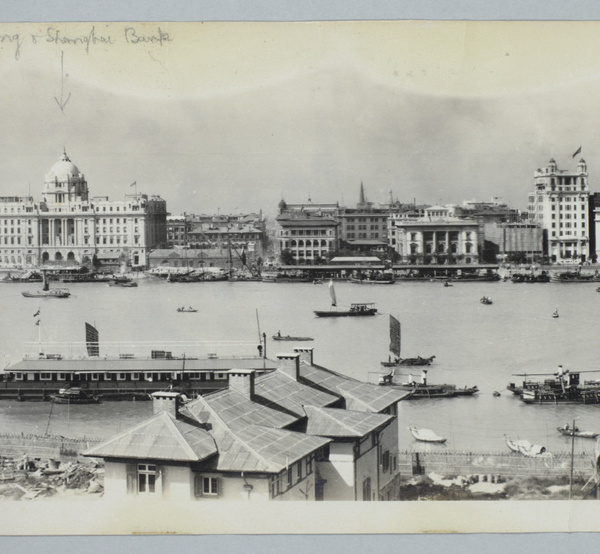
point(250, 270)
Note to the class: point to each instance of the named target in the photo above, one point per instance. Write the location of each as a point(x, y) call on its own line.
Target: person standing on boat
point(424, 377)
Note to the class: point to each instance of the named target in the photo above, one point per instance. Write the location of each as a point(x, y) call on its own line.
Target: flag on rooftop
point(37, 313)
point(578, 151)
point(133, 184)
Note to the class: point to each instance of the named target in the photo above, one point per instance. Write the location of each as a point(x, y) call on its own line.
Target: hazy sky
point(234, 117)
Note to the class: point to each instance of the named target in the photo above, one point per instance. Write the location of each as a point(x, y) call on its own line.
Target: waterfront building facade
point(310, 237)
point(435, 240)
point(559, 204)
point(69, 226)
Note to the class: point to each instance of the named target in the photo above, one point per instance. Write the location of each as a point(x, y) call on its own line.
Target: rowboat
point(566, 430)
point(425, 435)
point(290, 338)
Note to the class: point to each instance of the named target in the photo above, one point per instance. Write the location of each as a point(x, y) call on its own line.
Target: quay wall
point(498, 464)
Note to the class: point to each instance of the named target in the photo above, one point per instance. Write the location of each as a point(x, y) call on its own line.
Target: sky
point(233, 117)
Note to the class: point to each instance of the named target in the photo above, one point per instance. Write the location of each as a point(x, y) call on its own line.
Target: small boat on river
point(279, 336)
point(46, 291)
point(356, 309)
point(425, 435)
point(74, 395)
point(426, 390)
point(486, 300)
point(569, 432)
point(187, 310)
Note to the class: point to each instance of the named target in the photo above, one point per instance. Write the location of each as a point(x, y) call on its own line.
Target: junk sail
point(91, 340)
point(332, 293)
point(394, 336)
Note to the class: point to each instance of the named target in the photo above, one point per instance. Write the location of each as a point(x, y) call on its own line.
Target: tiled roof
point(161, 437)
point(237, 410)
point(359, 396)
point(332, 422)
point(278, 389)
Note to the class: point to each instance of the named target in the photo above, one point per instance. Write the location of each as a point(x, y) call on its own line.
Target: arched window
point(58, 256)
point(45, 257)
point(70, 256)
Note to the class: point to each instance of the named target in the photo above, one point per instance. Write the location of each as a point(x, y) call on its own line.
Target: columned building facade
point(435, 241)
point(69, 226)
point(559, 204)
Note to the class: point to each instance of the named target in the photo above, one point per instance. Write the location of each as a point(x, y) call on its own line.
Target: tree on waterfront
point(286, 257)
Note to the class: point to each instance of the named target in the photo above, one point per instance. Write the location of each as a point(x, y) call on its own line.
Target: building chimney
point(306, 354)
point(242, 381)
point(166, 401)
point(289, 364)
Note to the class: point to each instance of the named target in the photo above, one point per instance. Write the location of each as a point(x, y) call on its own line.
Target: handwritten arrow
point(60, 102)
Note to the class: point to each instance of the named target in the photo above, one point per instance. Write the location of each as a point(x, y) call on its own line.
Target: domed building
point(68, 228)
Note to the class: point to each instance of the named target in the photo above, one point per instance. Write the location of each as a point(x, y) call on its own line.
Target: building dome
point(64, 169)
point(282, 206)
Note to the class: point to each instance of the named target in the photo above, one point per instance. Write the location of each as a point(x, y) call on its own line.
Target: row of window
point(362, 236)
point(127, 376)
point(292, 476)
point(306, 233)
point(363, 227)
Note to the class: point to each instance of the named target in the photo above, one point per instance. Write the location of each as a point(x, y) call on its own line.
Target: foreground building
point(559, 204)
point(300, 432)
point(69, 226)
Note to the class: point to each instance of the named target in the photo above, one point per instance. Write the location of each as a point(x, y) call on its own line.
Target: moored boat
point(485, 300)
point(74, 395)
point(564, 388)
point(281, 337)
point(46, 291)
point(526, 448)
point(569, 432)
point(425, 389)
point(189, 310)
point(425, 435)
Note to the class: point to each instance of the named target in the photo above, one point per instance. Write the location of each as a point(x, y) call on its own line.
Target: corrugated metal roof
point(332, 422)
point(281, 390)
point(161, 437)
point(359, 396)
point(235, 410)
point(258, 448)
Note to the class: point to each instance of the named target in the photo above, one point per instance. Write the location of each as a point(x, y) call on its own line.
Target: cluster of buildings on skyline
point(67, 226)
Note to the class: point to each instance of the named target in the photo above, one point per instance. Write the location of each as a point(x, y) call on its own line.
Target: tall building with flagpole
point(68, 227)
point(560, 205)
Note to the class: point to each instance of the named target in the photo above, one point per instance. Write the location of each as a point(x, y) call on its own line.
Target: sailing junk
point(91, 340)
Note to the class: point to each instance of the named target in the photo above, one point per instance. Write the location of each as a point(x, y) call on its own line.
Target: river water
point(474, 344)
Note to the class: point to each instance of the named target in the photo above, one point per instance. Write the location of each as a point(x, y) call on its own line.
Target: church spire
point(361, 199)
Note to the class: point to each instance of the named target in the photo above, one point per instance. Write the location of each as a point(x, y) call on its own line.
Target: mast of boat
point(262, 341)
